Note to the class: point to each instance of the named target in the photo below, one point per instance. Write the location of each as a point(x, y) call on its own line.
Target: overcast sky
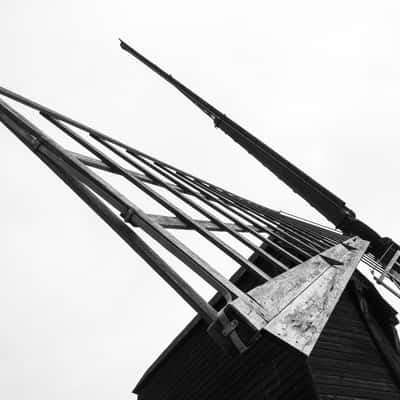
point(82, 315)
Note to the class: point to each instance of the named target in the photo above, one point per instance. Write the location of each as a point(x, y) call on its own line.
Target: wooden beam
point(95, 163)
point(175, 223)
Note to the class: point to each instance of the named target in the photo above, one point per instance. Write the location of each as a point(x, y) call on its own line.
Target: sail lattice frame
point(286, 241)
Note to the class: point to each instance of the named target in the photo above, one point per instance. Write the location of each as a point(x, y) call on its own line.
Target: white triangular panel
point(299, 302)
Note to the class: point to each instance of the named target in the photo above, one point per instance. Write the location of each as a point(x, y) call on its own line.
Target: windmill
point(281, 327)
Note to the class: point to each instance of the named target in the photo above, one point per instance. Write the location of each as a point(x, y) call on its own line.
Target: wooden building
point(296, 321)
point(356, 357)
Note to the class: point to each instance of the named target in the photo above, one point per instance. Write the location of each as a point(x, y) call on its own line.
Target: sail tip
point(122, 43)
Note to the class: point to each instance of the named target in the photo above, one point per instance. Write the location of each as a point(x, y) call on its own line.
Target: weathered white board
point(298, 303)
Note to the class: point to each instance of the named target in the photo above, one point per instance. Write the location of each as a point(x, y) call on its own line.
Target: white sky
point(82, 316)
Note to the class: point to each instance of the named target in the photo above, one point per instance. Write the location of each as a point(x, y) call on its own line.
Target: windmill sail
point(324, 201)
point(276, 308)
point(294, 240)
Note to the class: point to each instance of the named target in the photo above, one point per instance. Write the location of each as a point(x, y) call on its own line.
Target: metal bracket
point(230, 327)
point(224, 332)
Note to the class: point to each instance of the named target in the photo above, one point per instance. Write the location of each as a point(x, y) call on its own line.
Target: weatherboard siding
point(346, 362)
point(199, 370)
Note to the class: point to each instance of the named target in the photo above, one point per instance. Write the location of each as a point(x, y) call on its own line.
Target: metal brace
point(230, 327)
point(227, 337)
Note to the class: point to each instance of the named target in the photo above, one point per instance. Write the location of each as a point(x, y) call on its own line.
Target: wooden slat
point(95, 163)
point(175, 223)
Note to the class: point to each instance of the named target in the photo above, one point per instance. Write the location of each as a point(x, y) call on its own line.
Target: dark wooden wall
point(346, 363)
point(198, 370)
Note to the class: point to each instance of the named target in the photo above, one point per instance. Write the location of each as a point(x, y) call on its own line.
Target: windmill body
point(297, 320)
